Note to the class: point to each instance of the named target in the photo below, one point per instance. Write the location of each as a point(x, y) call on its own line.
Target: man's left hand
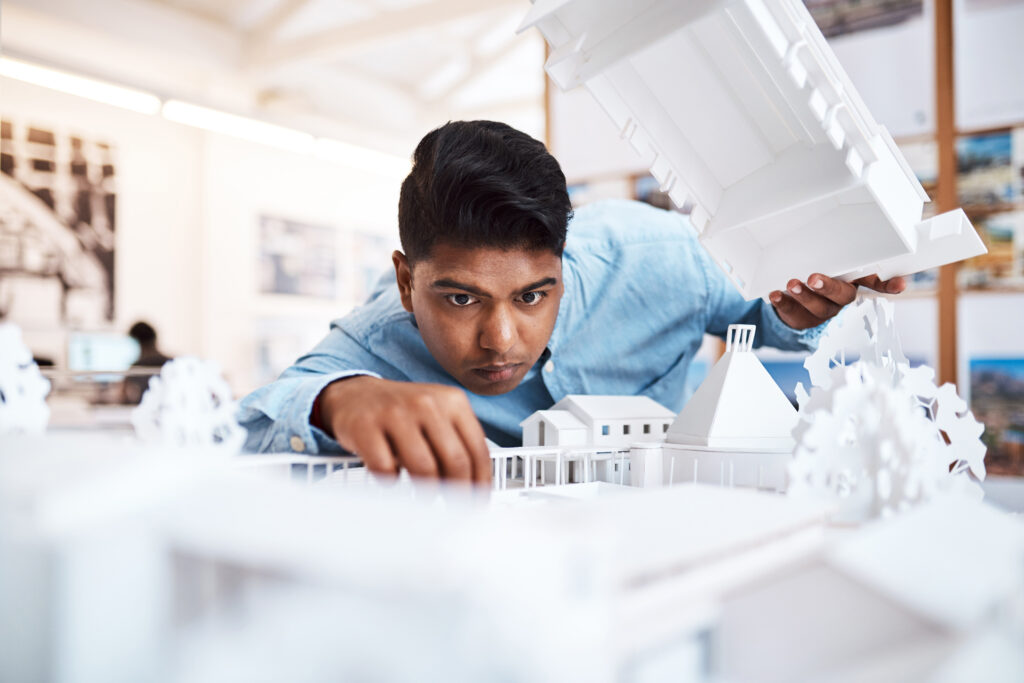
point(805, 305)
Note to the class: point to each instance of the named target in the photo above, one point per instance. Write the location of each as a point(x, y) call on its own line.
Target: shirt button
point(549, 366)
point(297, 444)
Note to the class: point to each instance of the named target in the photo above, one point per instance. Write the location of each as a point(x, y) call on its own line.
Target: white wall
point(893, 70)
point(187, 227)
point(241, 182)
point(989, 52)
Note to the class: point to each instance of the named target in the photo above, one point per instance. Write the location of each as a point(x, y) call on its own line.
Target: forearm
point(278, 416)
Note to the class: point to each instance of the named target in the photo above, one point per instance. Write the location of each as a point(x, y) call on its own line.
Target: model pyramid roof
point(738, 406)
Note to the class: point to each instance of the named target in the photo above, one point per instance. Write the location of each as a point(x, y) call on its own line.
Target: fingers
point(891, 286)
point(451, 453)
point(818, 305)
point(413, 452)
point(807, 305)
point(429, 429)
point(476, 443)
point(834, 290)
point(896, 285)
point(376, 454)
point(792, 312)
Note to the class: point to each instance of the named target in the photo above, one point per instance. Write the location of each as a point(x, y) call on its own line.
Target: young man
point(494, 312)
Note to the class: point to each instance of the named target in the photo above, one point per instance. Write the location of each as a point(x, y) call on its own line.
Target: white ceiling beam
point(491, 110)
point(331, 44)
point(479, 64)
point(264, 31)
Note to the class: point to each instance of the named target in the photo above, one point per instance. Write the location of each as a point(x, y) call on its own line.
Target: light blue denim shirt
point(640, 292)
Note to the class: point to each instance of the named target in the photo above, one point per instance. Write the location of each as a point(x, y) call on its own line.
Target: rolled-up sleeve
point(277, 416)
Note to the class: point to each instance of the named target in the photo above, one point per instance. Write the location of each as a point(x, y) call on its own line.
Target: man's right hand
point(429, 429)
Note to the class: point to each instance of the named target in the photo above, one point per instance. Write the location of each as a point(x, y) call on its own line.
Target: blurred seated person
point(149, 358)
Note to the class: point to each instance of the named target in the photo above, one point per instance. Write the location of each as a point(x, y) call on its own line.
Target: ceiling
point(378, 72)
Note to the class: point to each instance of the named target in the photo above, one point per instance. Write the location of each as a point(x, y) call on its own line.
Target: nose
point(498, 332)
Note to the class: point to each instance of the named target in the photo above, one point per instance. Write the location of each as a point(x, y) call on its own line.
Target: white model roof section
point(562, 419)
point(740, 107)
point(618, 408)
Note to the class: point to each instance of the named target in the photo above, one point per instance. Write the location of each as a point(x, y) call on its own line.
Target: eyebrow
point(446, 283)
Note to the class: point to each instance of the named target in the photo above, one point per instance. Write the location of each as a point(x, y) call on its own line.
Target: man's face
point(485, 314)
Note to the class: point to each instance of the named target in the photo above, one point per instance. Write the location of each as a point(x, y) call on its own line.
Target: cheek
point(535, 330)
point(444, 334)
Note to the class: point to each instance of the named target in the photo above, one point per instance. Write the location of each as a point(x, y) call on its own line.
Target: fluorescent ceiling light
point(99, 91)
point(362, 158)
point(238, 126)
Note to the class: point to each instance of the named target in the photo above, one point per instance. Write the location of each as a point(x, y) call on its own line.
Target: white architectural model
point(189, 405)
point(202, 563)
point(735, 430)
point(594, 432)
point(23, 389)
point(741, 110)
point(877, 435)
point(909, 590)
point(737, 427)
point(613, 421)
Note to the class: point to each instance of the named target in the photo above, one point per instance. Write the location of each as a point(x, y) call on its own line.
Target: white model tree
point(23, 388)
point(875, 434)
point(189, 405)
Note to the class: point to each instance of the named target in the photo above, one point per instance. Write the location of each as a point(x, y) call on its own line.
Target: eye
point(460, 300)
point(533, 298)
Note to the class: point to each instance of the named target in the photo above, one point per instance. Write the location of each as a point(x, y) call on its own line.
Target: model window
point(604, 430)
point(647, 429)
point(625, 429)
point(664, 427)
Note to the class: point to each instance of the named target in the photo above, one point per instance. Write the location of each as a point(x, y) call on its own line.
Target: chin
point(490, 388)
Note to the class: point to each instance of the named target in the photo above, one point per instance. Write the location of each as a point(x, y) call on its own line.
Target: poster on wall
point(297, 258)
point(989, 181)
point(997, 399)
point(839, 17)
point(58, 203)
point(985, 173)
point(1002, 267)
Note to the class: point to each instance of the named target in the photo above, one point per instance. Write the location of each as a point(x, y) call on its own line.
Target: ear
point(403, 273)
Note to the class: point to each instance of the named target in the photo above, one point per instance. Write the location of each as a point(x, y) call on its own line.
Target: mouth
point(497, 373)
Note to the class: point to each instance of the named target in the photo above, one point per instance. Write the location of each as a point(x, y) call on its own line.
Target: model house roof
point(738, 406)
point(597, 408)
point(761, 132)
point(562, 419)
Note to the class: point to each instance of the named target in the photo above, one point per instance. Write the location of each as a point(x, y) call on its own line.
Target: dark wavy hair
point(482, 184)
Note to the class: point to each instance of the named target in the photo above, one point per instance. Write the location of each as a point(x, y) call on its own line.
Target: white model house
point(737, 427)
point(613, 421)
point(740, 108)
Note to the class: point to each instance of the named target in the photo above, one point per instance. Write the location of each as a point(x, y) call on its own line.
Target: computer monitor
point(101, 351)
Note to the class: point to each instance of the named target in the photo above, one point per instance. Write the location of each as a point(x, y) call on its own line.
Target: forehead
point(496, 270)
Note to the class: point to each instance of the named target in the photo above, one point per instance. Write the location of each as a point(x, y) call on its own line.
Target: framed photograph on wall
point(997, 399)
point(58, 216)
point(297, 258)
point(841, 17)
point(985, 174)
